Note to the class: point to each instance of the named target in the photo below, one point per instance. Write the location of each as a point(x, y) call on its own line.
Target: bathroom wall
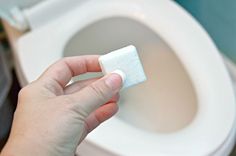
point(219, 18)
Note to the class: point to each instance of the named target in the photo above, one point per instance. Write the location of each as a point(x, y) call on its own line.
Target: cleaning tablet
point(125, 62)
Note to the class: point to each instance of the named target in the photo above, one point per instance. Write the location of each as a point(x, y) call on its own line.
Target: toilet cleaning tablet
point(125, 62)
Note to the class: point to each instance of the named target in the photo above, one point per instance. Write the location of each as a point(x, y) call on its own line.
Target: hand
point(52, 118)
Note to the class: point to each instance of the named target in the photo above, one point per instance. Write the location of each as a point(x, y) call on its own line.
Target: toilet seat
point(216, 113)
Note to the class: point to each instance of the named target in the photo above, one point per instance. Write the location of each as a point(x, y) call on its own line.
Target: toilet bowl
point(187, 105)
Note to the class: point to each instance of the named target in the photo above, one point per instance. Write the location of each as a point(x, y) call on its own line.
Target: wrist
point(21, 146)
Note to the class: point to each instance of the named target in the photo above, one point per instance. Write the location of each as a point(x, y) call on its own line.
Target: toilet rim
point(216, 109)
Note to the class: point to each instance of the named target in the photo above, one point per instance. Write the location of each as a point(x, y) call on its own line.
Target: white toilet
point(187, 105)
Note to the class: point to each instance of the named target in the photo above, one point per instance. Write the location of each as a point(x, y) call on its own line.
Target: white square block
point(125, 59)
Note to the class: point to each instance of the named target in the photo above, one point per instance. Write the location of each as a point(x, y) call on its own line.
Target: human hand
point(52, 118)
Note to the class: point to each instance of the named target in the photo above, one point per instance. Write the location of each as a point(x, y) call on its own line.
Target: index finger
point(63, 70)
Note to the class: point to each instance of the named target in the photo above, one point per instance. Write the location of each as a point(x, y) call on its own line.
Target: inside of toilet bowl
point(167, 101)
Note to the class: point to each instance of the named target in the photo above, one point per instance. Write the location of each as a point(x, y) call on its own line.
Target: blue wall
point(219, 19)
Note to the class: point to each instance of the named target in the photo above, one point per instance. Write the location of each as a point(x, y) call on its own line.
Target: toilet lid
point(216, 113)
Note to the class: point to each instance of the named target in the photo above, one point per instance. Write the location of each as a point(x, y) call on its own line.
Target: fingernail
point(121, 73)
point(114, 80)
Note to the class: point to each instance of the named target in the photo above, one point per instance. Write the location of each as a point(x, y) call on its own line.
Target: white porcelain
point(210, 132)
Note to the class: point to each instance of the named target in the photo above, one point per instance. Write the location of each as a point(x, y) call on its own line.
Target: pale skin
point(52, 118)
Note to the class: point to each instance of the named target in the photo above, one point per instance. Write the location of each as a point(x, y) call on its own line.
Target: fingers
point(77, 86)
point(63, 70)
point(100, 115)
point(96, 94)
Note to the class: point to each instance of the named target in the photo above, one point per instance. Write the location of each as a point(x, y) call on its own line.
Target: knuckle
point(28, 90)
point(25, 94)
point(68, 100)
point(24, 91)
point(99, 92)
point(64, 59)
point(74, 107)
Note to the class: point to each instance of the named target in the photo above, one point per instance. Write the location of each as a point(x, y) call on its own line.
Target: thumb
point(98, 93)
